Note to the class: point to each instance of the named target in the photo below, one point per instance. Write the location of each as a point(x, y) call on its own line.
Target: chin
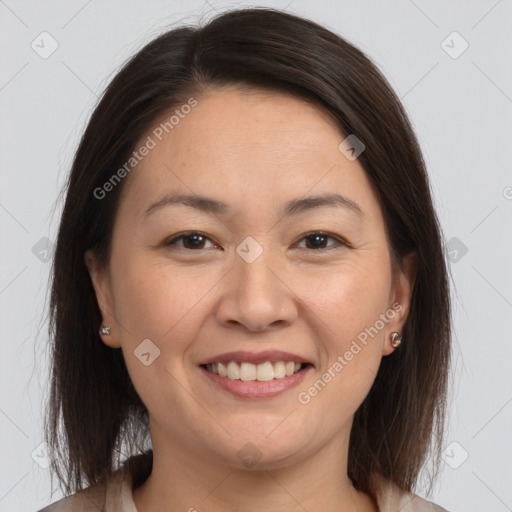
point(263, 452)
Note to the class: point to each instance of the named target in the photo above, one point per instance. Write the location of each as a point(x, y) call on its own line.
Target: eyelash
point(172, 243)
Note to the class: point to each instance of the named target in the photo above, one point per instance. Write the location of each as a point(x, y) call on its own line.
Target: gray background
point(460, 105)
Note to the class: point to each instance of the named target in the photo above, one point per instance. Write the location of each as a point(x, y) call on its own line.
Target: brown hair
point(92, 399)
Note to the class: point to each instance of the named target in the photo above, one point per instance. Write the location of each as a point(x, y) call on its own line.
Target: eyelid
point(340, 241)
point(171, 242)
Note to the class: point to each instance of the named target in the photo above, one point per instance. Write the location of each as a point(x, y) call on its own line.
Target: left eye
point(317, 240)
point(197, 240)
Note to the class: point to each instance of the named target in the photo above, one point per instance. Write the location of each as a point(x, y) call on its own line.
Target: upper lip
point(256, 357)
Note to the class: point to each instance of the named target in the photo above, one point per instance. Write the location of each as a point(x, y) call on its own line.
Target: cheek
point(349, 302)
point(164, 304)
point(157, 300)
point(348, 298)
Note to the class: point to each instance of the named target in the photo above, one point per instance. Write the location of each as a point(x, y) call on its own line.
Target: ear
point(100, 278)
point(404, 277)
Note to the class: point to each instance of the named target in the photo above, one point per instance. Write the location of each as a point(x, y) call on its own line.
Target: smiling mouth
point(263, 372)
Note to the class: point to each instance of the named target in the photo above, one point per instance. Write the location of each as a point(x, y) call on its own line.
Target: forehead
point(229, 124)
point(242, 144)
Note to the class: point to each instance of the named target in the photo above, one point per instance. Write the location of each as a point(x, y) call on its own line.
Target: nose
point(257, 296)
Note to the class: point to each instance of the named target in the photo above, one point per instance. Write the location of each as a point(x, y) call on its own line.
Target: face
point(267, 274)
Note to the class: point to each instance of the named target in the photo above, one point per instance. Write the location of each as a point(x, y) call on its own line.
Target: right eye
point(190, 240)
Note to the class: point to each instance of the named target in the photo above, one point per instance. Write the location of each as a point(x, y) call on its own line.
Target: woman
point(249, 271)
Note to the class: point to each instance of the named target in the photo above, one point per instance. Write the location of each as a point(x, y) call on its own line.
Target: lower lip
point(255, 388)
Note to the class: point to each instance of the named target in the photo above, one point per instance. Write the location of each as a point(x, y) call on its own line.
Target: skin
point(255, 151)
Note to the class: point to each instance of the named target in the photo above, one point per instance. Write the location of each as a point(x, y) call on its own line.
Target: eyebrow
point(293, 207)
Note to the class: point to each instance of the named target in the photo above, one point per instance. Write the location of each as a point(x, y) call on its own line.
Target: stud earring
point(396, 339)
point(104, 330)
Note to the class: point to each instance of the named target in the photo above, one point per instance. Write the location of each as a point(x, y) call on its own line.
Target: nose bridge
point(257, 297)
point(253, 262)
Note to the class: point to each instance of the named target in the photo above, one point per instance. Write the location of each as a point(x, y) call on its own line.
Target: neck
point(185, 480)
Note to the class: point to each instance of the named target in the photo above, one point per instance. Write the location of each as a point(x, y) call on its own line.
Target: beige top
point(116, 496)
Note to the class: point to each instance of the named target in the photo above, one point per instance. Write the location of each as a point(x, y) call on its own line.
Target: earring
point(104, 330)
point(396, 339)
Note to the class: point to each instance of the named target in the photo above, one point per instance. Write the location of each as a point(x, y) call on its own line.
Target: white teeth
point(247, 371)
point(290, 368)
point(222, 370)
point(263, 372)
point(233, 370)
point(279, 370)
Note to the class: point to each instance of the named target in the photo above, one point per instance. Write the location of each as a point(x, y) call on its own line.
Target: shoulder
point(109, 496)
point(391, 498)
point(414, 503)
point(91, 499)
